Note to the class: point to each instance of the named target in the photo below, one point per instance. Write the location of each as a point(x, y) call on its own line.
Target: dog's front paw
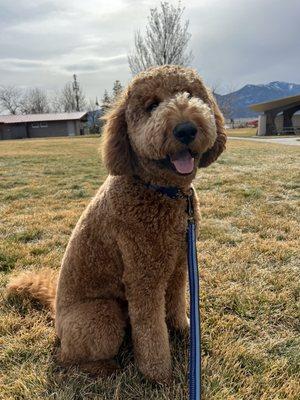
point(181, 325)
point(157, 369)
point(157, 375)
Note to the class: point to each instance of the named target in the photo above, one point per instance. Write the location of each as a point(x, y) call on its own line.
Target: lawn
point(251, 132)
point(242, 132)
point(247, 252)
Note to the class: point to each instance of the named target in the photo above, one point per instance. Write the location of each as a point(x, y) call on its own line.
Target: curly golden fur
point(125, 263)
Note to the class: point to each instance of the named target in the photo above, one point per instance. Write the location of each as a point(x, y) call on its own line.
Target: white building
point(279, 116)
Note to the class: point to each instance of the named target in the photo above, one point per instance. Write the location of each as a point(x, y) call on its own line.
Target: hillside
point(239, 101)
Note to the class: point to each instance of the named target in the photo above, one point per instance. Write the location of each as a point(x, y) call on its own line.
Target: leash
point(195, 328)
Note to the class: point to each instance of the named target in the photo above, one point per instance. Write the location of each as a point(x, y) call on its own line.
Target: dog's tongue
point(183, 162)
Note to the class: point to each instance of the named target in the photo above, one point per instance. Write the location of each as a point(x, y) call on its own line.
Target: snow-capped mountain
point(237, 103)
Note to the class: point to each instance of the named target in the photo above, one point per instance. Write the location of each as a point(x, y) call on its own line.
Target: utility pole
point(76, 91)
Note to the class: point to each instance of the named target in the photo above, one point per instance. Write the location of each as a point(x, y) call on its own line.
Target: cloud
point(43, 42)
point(247, 42)
point(96, 64)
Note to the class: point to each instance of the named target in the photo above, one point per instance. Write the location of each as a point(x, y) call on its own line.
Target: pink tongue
point(183, 162)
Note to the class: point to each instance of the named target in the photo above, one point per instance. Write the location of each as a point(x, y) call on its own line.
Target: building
point(279, 116)
point(42, 125)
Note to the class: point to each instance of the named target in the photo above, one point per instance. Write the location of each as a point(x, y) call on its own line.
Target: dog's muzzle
point(185, 132)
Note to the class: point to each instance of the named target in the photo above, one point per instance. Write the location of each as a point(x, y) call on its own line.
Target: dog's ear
point(219, 146)
point(117, 153)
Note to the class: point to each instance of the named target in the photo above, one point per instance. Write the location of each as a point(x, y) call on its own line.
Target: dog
point(126, 264)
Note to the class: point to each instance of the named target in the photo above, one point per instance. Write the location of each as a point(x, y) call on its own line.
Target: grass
point(242, 132)
point(248, 257)
point(251, 132)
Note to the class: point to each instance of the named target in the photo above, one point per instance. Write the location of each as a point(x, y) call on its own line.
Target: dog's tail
point(39, 285)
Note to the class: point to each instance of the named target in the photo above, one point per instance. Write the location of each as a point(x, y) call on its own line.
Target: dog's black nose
point(185, 132)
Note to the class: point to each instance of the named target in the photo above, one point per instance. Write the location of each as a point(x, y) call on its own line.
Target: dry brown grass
point(242, 132)
point(247, 255)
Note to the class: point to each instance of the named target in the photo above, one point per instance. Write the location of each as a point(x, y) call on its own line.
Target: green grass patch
point(32, 235)
point(7, 261)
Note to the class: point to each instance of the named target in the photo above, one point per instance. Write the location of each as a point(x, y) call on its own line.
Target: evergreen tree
point(117, 89)
point(106, 102)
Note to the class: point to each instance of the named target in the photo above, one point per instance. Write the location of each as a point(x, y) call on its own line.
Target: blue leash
point(195, 331)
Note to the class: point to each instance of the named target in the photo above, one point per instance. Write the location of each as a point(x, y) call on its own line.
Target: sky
point(234, 42)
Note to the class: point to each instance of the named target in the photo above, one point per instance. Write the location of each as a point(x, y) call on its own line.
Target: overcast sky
point(235, 42)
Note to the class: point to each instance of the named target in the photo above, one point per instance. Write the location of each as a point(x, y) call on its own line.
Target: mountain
point(236, 104)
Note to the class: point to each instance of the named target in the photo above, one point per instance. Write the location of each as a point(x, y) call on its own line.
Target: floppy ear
point(117, 153)
point(219, 146)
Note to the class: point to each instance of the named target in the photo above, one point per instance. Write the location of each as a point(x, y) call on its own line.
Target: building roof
point(17, 119)
point(269, 105)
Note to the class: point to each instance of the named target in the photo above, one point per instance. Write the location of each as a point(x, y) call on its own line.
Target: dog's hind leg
point(91, 334)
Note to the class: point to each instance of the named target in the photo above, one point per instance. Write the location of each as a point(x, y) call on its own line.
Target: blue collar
point(172, 192)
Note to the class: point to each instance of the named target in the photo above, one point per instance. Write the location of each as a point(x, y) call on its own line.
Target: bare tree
point(55, 102)
point(35, 101)
point(165, 41)
point(66, 101)
point(10, 98)
point(227, 106)
point(227, 102)
point(215, 87)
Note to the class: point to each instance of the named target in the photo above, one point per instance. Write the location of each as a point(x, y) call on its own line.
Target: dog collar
point(172, 192)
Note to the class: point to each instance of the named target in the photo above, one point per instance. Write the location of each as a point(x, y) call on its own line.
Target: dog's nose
point(185, 132)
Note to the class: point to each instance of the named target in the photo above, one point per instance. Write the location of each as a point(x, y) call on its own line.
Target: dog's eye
point(189, 95)
point(152, 106)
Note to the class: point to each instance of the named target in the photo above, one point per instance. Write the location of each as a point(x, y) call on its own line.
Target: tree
point(35, 101)
point(65, 101)
point(93, 115)
point(56, 103)
point(227, 105)
point(106, 102)
point(117, 89)
point(165, 41)
point(226, 102)
point(10, 98)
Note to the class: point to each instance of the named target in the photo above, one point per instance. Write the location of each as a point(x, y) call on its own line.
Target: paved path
point(293, 141)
